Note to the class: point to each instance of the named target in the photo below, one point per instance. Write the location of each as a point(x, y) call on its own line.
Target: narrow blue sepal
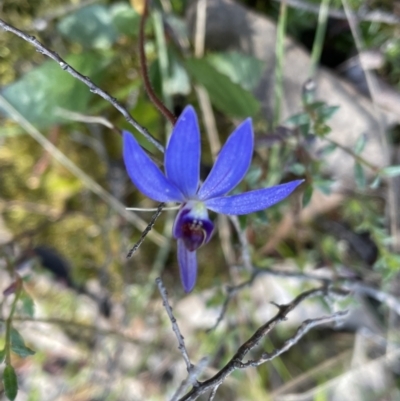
point(145, 174)
point(232, 163)
point(182, 156)
point(187, 266)
point(253, 201)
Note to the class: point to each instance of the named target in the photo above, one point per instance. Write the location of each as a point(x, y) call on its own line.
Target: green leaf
point(322, 129)
point(253, 175)
point(298, 168)
point(314, 106)
point(360, 144)
point(377, 181)
point(328, 149)
point(243, 221)
point(227, 96)
point(10, 382)
point(39, 92)
point(391, 171)
point(28, 305)
point(307, 195)
point(359, 176)
point(178, 81)
point(241, 68)
point(324, 186)
point(2, 355)
point(261, 218)
point(298, 119)
point(18, 345)
point(327, 112)
point(125, 19)
point(91, 26)
point(305, 129)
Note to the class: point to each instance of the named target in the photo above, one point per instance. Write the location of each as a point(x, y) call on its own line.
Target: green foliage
point(18, 345)
point(307, 195)
point(319, 114)
point(28, 306)
point(323, 185)
point(253, 176)
point(391, 171)
point(91, 26)
point(392, 60)
point(227, 96)
point(177, 81)
point(93, 238)
point(360, 144)
point(10, 382)
point(242, 69)
point(359, 176)
point(39, 93)
point(125, 19)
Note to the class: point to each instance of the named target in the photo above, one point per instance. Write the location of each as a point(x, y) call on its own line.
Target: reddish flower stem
point(143, 66)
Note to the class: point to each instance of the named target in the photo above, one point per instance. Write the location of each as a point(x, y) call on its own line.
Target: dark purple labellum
point(193, 226)
point(194, 235)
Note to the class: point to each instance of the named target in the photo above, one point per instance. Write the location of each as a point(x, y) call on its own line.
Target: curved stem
point(143, 66)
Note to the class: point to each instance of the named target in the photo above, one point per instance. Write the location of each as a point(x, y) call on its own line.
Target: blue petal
point(252, 201)
point(145, 174)
point(188, 266)
point(232, 163)
point(182, 157)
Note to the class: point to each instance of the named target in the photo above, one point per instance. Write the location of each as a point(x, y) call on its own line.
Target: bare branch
point(87, 81)
point(237, 362)
point(244, 244)
point(213, 392)
point(231, 292)
point(74, 116)
point(305, 327)
point(191, 380)
point(345, 285)
point(175, 327)
point(146, 230)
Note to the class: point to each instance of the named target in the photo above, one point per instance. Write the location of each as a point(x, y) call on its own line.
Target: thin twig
point(231, 292)
point(305, 327)
point(244, 244)
point(356, 157)
point(237, 362)
point(191, 379)
point(346, 285)
point(87, 81)
point(146, 230)
point(213, 392)
point(175, 327)
point(74, 116)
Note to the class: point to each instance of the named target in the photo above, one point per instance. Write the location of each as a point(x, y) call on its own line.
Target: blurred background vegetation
point(102, 333)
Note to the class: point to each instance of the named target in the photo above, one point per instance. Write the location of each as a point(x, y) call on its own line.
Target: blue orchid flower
point(181, 183)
